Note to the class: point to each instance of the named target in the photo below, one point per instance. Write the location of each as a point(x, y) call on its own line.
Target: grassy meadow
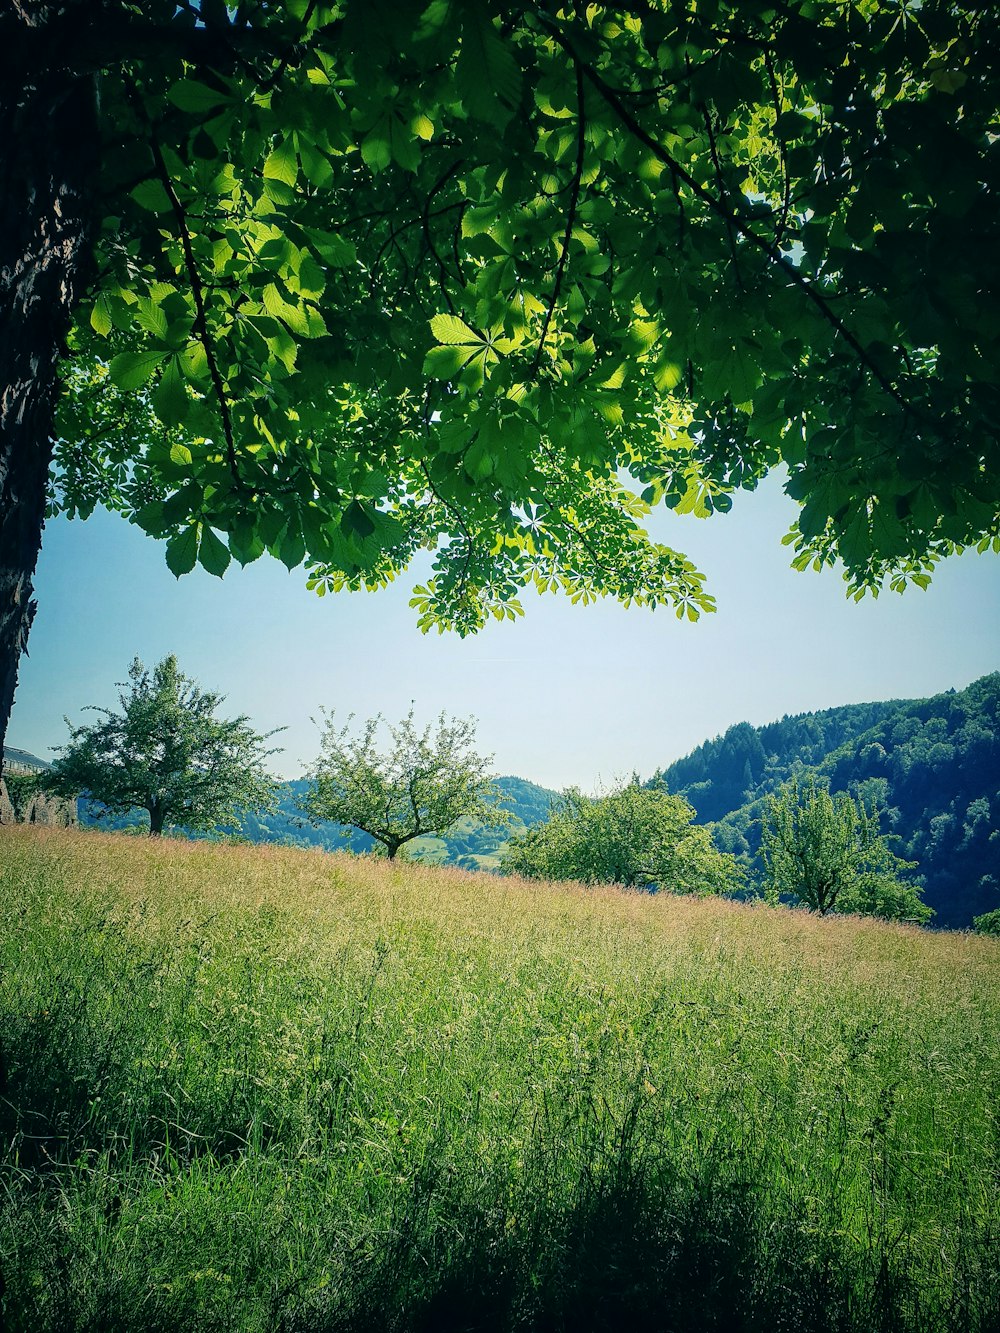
point(260, 1089)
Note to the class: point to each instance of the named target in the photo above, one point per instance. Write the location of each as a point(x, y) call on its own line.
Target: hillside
point(256, 1088)
point(932, 764)
point(468, 845)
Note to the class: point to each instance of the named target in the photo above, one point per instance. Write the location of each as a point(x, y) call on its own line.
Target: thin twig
point(728, 215)
point(270, 84)
point(463, 579)
point(786, 193)
point(724, 193)
point(581, 127)
point(442, 270)
point(201, 321)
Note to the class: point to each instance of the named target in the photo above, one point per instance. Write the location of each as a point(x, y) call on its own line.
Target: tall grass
point(257, 1089)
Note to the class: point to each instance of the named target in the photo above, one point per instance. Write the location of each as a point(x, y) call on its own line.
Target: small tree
point(638, 836)
point(988, 923)
point(424, 784)
point(167, 752)
point(826, 851)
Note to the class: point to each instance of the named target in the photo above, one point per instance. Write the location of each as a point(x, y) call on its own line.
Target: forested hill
point(717, 776)
point(468, 844)
point(932, 764)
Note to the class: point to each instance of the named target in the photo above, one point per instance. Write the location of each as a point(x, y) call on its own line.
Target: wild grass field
point(256, 1089)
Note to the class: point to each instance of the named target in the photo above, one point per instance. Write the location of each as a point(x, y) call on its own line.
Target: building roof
point(22, 759)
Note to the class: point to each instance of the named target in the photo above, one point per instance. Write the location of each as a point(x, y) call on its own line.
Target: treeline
point(932, 765)
point(470, 844)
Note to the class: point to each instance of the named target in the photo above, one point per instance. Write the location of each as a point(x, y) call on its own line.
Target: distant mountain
point(468, 844)
point(932, 764)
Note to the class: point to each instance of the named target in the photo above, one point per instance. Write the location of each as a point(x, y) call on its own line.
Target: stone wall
point(33, 807)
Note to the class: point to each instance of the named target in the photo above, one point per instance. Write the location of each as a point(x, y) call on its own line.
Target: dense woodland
point(932, 765)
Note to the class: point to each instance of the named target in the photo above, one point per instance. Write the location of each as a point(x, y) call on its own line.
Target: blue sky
point(568, 695)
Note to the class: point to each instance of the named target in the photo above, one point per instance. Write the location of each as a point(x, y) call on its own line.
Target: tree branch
point(463, 579)
point(570, 215)
point(723, 192)
point(101, 42)
point(732, 218)
point(201, 321)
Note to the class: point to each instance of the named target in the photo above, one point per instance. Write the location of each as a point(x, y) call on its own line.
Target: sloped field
point(245, 1088)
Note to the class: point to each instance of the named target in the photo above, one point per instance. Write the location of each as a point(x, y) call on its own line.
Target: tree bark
point(156, 819)
point(48, 153)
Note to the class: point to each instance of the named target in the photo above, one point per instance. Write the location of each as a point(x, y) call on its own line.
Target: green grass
point(278, 1090)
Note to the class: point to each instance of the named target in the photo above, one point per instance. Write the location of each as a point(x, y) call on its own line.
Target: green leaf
point(292, 315)
point(479, 462)
point(190, 95)
point(100, 317)
point(150, 517)
point(376, 146)
point(487, 75)
point(422, 126)
point(667, 375)
point(131, 370)
point(854, 543)
point(182, 551)
point(316, 529)
point(442, 363)
point(290, 547)
point(170, 401)
point(244, 543)
point(335, 250)
point(150, 316)
point(356, 522)
point(734, 373)
point(451, 330)
point(152, 196)
point(194, 362)
point(405, 149)
point(213, 554)
point(312, 279)
point(281, 163)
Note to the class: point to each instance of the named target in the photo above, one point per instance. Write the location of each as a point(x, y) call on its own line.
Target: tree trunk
point(156, 818)
point(48, 153)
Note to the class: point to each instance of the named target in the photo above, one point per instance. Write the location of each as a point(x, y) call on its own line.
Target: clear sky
point(568, 695)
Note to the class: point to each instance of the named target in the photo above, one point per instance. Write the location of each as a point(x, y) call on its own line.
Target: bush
point(988, 923)
point(640, 837)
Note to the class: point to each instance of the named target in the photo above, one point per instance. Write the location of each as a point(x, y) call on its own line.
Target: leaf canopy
point(491, 280)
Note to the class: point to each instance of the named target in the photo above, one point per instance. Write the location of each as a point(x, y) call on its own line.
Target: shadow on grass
point(647, 1251)
point(657, 1256)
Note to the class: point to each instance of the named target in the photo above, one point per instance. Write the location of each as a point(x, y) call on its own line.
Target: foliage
point(498, 281)
point(827, 852)
point(469, 843)
point(723, 773)
point(249, 1089)
point(21, 789)
point(988, 923)
point(636, 836)
point(167, 753)
point(425, 783)
point(930, 764)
